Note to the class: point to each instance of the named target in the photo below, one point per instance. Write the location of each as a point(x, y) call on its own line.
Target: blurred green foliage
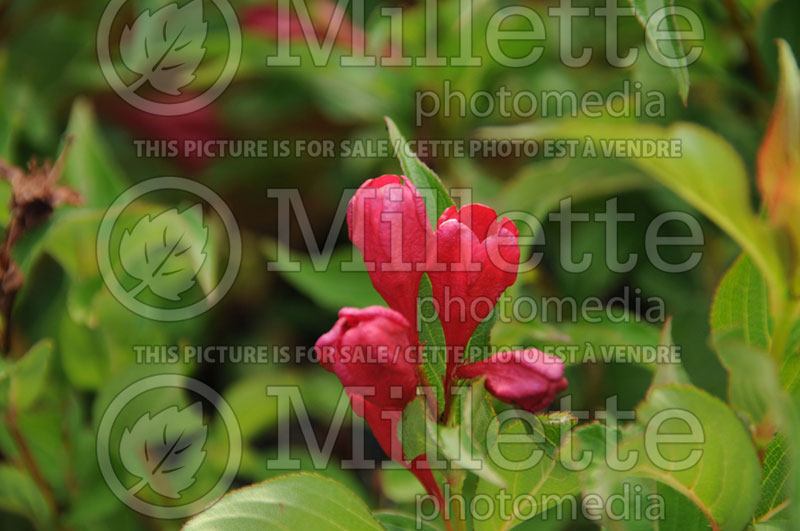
point(76, 343)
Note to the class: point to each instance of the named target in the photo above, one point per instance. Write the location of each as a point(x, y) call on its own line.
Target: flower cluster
point(471, 258)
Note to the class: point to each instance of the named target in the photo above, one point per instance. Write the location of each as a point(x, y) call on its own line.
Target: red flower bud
point(371, 352)
point(477, 258)
point(528, 378)
point(387, 222)
point(383, 424)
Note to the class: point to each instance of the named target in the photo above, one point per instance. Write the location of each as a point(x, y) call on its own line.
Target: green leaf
point(399, 485)
point(413, 430)
point(741, 307)
point(431, 337)
point(544, 480)
point(668, 373)
point(709, 174)
point(25, 379)
point(420, 175)
point(295, 501)
point(775, 525)
point(89, 167)
point(394, 521)
point(479, 345)
point(334, 286)
point(740, 327)
point(84, 359)
point(724, 477)
point(538, 188)
point(662, 507)
point(553, 428)
point(774, 486)
point(466, 442)
point(462, 453)
point(644, 9)
point(476, 417)
point(166, 450)
point(20, 495)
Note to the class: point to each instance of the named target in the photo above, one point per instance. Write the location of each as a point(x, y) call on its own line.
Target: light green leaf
point(542, 479)
point(553, 428)
point(724, 477)
point(296, 501)
point(462, 453)
point(741, 307)
point(423, 178)
point(399, 485)
point(709, 174)
point(431, 336)
point(740, 327)
point(538, 188)
point(413, 430)
point(661, 508)
point(251, 389)
point(476, 417)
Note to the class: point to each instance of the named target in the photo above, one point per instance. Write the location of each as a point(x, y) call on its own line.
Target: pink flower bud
point(528, 378)
point(387, 222)
point(371, 352)
point(477, 258)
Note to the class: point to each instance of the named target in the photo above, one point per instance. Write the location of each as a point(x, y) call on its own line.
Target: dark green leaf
point(431, 336)
point(423, 178)
point(479, 345)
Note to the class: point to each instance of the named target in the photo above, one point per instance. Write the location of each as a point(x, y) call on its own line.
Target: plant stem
point(28, 460)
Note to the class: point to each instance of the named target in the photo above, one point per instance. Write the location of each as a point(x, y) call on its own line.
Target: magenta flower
point(528, 378)
point(470, 259)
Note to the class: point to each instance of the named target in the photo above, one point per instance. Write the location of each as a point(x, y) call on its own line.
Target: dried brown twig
point(34, 197)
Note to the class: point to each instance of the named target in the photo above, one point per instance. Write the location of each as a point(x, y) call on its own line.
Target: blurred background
point(51, 85)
